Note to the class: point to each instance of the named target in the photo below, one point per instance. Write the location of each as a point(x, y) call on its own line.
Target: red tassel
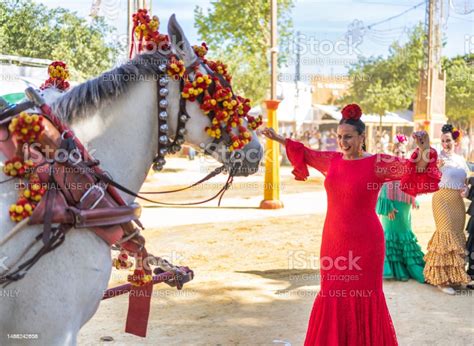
point(139, 302)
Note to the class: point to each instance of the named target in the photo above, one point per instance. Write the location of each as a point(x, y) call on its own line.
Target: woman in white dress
point(446, 258)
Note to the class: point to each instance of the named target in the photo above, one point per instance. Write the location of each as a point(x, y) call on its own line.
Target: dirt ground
point(256, 280)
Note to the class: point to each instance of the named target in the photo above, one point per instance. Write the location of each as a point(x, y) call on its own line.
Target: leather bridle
point(165, 146)
point(168, 146)
point(54, 236)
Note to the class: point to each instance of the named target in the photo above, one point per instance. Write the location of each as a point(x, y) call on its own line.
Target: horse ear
point(179, 43)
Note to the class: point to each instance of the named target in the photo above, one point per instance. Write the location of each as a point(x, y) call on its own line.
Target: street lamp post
point(271, 195)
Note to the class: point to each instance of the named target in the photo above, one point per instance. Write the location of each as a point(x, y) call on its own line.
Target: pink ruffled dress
point(350, 308)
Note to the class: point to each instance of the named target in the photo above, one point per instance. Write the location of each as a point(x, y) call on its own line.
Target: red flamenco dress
point(350, 308)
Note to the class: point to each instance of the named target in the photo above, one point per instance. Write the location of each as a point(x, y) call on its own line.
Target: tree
point(460, 89)
point(389, 84)
point(238, 33)
point(33, 30)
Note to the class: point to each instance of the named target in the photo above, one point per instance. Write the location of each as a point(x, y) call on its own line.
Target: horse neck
point(123, 135)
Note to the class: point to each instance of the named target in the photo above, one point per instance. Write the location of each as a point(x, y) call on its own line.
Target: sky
point(323, 27)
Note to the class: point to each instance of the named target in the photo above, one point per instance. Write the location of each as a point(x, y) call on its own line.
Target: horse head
point(216, 121)
point(243, 159)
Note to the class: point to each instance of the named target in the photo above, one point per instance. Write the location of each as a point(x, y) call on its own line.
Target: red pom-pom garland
point(215, 97)
point(26, 127)
point(58, 76)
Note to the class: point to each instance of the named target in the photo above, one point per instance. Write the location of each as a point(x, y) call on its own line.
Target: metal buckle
point(102, 195)
point(68, 132)
point(136, 232)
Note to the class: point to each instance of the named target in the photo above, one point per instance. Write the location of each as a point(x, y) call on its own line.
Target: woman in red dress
point(350, 308)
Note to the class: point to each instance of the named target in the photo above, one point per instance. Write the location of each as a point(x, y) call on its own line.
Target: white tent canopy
point(399, 118)
point(295, 105)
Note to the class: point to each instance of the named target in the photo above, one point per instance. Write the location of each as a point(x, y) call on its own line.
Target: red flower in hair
point(352, 111)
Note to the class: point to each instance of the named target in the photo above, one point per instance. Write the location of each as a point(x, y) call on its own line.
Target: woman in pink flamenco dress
point(350, 308)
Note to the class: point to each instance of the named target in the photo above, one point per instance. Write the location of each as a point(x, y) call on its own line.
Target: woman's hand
point(271, 134)
point(392, 214)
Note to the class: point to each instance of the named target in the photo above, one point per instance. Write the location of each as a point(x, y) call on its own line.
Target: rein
point(219, 194)
point(52, 237)
point(165, 146)
point(100, 207)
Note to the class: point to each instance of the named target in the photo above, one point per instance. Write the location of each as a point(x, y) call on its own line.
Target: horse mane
point(86, 98)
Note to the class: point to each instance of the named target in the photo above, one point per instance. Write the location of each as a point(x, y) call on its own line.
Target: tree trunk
point(470, 156)
point(380, 126)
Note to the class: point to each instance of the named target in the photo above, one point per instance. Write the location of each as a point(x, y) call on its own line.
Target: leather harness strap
point(14, 110)
point(99, 206)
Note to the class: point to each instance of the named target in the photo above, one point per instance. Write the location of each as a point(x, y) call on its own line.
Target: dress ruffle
point(295, 153)
point(302, 157)
point(445, 260)
point(350, 321)
point(415, 183)
point(403, 257)
point(384, 206)
point(446, 257)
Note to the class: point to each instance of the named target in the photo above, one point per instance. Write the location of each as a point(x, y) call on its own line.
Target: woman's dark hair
point(447, 128)
point(359, 126)
point(455, 133)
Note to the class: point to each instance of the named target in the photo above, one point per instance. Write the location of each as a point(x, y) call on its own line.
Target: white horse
point(117, 118)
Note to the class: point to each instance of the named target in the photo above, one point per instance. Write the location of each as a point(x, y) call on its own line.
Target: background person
point(445, 258)
point(403, 255)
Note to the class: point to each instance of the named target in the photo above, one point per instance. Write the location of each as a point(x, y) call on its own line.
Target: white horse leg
point(60, 293)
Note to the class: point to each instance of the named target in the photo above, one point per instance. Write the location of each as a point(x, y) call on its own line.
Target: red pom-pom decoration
point(352, 111)
point(58, 75)
point(139, 278)
point(401, 138)
point(27, 127)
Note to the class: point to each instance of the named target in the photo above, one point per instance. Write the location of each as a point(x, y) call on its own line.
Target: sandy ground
point(255, 277)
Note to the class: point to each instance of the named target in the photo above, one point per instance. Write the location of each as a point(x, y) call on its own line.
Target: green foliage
point(33, 30)
point(389, 84)
point(238, 33)
point(460, 89)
